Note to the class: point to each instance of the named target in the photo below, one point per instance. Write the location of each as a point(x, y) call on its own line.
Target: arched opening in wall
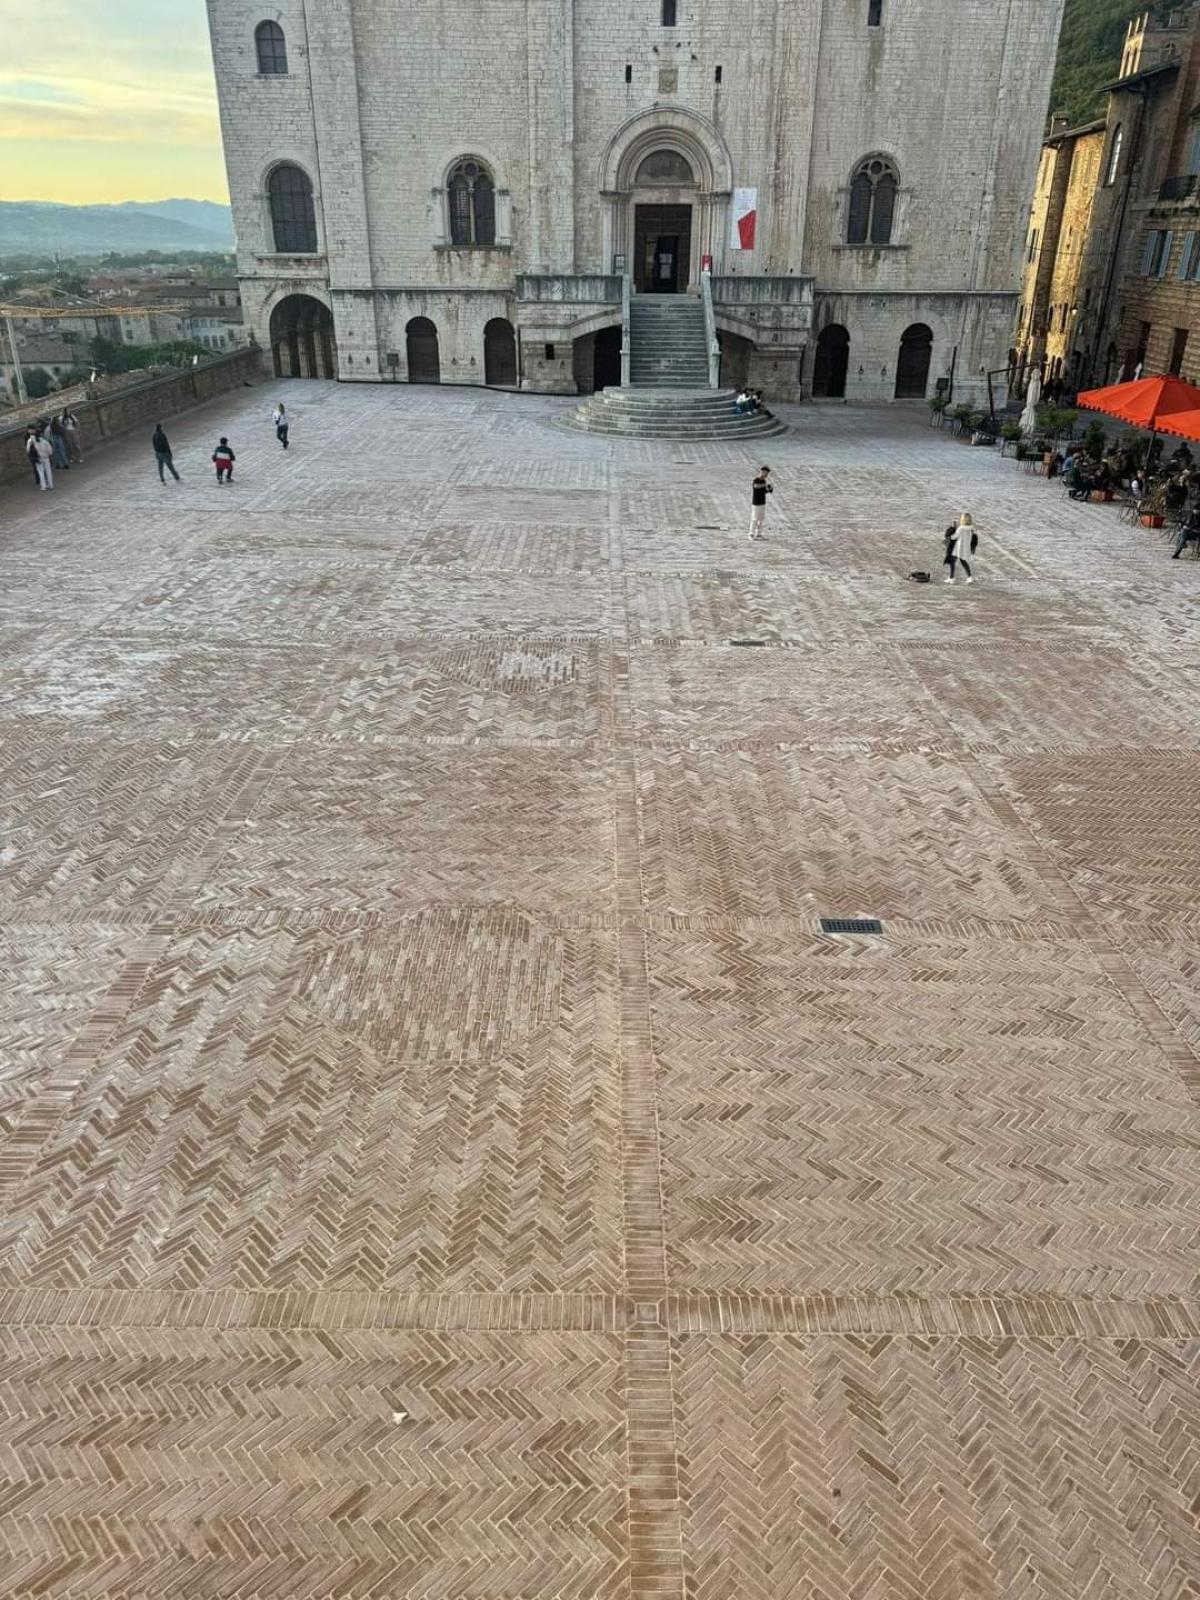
point(302, 341)
point(499, 354)
point(606, 359)
point(421, 343)
point(735, 359)
point(912, 364)
point(831, 362)
point(662, 223)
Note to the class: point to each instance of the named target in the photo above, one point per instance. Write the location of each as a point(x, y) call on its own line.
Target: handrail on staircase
point(625, 340)
point(710, 331)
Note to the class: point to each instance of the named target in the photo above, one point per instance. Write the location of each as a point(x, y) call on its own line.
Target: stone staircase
point(650, 412)
point(667, 347)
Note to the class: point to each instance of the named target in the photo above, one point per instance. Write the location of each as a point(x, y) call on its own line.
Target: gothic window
point(293, 218)
point(874, 13)
point(872, 205)
point(472, 200)
point(1114, 155)
point(668, 13)
point(272, 49)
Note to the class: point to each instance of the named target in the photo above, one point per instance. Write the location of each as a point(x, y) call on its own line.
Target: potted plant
point(1010, 434)
point(1093, 441)
point(1154, 507)
point(937, 411)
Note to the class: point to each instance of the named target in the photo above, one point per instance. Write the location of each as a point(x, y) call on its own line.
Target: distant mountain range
point(33, 226)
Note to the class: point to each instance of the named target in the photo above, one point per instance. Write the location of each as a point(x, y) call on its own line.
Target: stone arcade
point(450, 192)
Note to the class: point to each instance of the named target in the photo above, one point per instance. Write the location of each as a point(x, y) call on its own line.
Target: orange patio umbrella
point(1164, 405)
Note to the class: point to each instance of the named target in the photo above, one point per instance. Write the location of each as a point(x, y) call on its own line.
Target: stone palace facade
point(455, 190)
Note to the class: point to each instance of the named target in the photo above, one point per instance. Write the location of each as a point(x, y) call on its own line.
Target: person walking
point(961, 541)
point(760, 487)
point(223, 459)
point(58, 443)
point(70, 427)
point(45, 461)
point(161, 446)
point(280, 418)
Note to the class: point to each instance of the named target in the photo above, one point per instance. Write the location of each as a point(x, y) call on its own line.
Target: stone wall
point(562, 99)
point(139, 405)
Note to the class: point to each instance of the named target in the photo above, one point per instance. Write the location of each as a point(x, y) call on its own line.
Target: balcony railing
point(1179, 187)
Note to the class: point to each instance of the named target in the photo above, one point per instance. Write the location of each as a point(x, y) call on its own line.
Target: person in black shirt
point(760, 488)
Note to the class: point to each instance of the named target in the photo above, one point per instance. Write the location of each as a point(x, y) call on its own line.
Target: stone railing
point(757, 291)
point(626, 296)
point(595, 288)
point(710, 331)
point(108, 415)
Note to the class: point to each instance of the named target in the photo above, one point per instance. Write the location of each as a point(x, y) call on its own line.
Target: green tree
point(38, 383)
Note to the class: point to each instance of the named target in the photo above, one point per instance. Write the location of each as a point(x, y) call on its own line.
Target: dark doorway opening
point(662, 249)
point(500, 354)
point(606, 359)
point(302, 343)
point(421, 343)
point(831, 363)
point(912, 364)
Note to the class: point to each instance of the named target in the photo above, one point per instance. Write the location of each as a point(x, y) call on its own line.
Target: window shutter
point(1185, 255)
point(1165, 258)
point(883, 210)
point(1148, 252)
point(860, 210)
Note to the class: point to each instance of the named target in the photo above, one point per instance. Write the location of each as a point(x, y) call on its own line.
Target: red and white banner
point(745, 219)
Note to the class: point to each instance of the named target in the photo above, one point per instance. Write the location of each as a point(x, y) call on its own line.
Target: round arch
point(303, 344)
point(697, 143)
point(912, 362)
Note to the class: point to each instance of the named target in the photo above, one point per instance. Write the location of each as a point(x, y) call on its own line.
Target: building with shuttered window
point(455, 192)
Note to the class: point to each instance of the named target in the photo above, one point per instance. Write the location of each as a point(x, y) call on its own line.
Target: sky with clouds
point(108, 100)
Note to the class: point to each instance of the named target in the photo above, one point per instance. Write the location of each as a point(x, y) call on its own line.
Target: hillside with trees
point(1089, 54)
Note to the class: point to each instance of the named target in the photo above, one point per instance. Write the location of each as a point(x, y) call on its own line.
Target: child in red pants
point(223, 459)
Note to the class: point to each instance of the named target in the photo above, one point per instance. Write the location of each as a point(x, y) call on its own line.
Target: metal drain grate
point(759, 644)
point(851, 925)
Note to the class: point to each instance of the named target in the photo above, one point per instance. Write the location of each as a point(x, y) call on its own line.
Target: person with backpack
point(223, 459)
point(161, 446)
point(962, 541)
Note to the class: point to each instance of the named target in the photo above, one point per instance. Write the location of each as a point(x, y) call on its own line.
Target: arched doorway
point(667, 157)
point(499, 354)
point(421, 342)
point(302, 342)
point(831, 362)
point(663, 186)
point(606, 359)
point(912, 364)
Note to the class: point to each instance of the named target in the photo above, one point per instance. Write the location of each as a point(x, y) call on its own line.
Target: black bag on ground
point(918, 577)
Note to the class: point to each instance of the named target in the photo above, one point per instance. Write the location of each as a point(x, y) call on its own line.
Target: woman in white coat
point(961, 543)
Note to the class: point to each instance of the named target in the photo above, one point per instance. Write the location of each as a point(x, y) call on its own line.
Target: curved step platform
point(640, 412)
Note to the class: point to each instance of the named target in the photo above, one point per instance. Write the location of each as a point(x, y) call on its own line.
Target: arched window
point(874, 13)
point(472, 197)
point(271, 47)
point(872, 202)
point(665, 166)
point(293, 219)
point(1114, 155)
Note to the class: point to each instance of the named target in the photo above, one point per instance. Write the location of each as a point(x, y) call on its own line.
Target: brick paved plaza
point(441, 1156)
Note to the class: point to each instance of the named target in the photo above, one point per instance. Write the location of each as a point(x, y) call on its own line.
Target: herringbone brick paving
point(439, 1154)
